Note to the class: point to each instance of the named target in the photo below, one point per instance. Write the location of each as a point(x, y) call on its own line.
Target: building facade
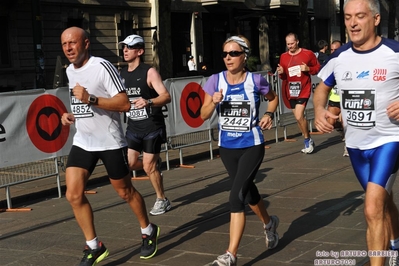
point(31, 55)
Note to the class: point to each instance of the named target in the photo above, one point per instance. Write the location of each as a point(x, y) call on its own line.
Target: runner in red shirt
point(295, 68)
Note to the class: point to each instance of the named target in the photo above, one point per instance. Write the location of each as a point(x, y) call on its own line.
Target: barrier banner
point(184, 111)
point(31, 130)
point(30, 126)
point(315, 81)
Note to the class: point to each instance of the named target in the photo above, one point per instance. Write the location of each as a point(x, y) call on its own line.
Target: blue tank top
point(239, 110)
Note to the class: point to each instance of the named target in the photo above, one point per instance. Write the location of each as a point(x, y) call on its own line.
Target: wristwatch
point(270, 114)
point(93, 99)
point(150, 103)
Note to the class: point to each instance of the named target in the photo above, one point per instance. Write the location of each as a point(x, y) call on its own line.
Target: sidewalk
point(317, 198)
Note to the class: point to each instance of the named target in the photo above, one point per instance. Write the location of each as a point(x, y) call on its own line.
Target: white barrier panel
point(185, 108)
point(30, 126)
point(315, 81)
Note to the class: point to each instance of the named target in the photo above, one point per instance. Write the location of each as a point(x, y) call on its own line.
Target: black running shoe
point(93, 256)
point(150, 243)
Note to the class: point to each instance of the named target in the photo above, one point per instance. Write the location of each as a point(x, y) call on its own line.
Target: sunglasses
point(131, 47)
point(232, 53)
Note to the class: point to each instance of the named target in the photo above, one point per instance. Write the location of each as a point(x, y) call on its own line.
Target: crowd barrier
point(18, 174)
point(34, 144)
point(191, 139)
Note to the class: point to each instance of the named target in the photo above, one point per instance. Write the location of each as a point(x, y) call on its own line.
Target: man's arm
point(118, 103)
point(320, 97)
point(154, 80)
point(280, 72)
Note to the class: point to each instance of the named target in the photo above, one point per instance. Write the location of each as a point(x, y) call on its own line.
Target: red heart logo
point(49, 123)
point(191, 100)
point(194, 104)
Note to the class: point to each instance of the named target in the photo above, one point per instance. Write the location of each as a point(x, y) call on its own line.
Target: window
point(125, 26)
point(4, 44)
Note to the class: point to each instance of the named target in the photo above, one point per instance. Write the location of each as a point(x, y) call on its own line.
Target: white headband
point(241, 42)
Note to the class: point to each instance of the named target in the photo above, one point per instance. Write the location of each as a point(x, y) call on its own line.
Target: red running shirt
point(296, 83)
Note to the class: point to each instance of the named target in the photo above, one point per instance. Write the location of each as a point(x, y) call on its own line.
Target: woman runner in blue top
point(236, 95)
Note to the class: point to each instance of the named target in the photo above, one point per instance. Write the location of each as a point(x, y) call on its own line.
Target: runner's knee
point(74, 197)
point(126, 194)
point(149, 168)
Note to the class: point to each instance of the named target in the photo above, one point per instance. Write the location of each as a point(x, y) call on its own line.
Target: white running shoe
point(227, 259)
point(161, 206)
point(272, 236)
point(309, 146)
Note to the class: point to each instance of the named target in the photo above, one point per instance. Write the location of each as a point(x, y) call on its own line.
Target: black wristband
point(270, 114)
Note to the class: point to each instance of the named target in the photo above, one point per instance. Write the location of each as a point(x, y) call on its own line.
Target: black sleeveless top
point(136, 87)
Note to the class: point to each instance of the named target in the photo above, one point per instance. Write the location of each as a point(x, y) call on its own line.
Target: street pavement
point(316, 197)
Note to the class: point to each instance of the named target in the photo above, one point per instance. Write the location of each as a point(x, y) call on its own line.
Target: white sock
point(93, 244)
point(395, 244)
point(147, 230)
point(231, 255)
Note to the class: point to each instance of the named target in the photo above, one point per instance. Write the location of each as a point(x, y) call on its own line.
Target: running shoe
point(394, 260)
point(161, 206)
point(93, 256)
point(271, 234)
point(309, 146)
point(227, 259)
point(149, 245)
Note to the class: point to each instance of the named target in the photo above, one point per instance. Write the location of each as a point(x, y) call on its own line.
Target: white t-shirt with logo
point(96, 129)
point(367, 81)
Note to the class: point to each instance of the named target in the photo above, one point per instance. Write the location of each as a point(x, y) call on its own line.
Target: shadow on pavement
point(324, 212)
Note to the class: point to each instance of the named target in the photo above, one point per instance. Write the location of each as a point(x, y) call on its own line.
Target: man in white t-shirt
point(366, 72)
point(97, 97)
point(191, 64)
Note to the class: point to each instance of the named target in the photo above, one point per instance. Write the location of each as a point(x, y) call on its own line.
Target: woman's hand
point(217, 97)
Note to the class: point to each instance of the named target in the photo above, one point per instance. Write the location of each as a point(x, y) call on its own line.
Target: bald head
point(335, 45)
point(75, 45)
point(75, 31)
